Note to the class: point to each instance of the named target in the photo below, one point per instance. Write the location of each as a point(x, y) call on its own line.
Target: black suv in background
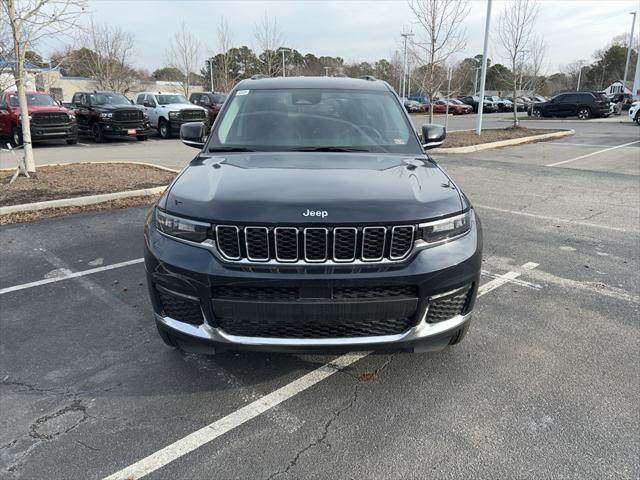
point(582, 104)
point(311, 219)
point(109, 114)
point(474, 100)
point(211, 101)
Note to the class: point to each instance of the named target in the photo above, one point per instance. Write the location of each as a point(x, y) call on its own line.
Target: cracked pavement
point(545, 385)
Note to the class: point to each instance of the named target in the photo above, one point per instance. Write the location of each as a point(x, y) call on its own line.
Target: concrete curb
point(159, 167)
point(80, 201)
point(502, 143)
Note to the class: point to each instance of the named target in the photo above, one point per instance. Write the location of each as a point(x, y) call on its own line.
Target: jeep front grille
point(315, 244)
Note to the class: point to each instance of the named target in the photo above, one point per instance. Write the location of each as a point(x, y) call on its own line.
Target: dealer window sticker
point(242, 92)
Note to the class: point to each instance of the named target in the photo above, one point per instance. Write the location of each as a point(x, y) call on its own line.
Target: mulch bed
point(467, 138)
point(79, 180)
point(21, 217)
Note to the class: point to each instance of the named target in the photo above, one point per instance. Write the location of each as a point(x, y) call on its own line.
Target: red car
point(48, 119)
point(440, 106)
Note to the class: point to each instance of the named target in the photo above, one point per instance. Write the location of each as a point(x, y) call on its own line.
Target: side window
point(204, 100)
point(140, 99)
point(584, 98)
point(13, 101)
point(151, 100)
point(76, 99)
point(3, 102)
point(561, 98)
point(195, 98)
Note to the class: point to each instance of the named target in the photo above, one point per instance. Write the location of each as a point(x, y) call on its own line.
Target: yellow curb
point(503, 143)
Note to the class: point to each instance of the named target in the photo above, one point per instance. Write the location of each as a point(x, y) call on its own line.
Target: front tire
point(584, 113)
point(98, 134)
point(163, 129)
point(637, 117)
point(537, 112)
point(16, 136)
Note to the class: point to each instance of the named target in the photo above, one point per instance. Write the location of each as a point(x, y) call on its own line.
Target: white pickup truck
point(168, 111)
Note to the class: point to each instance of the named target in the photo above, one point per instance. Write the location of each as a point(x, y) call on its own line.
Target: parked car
point(474, 100)
point(107, 114)
point(412, 106)
point(48, 120)
point(519, 103)
point(312, 228)
point(502, 104)
point(455, 108)
point(168, 111)
point(424, 101)
point(582, 104)
point(634, 112)
point(211, 101)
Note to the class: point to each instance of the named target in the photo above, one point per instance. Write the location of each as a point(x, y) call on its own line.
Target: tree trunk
point(19, 75)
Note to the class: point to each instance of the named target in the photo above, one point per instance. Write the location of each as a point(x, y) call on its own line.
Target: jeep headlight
point(174, 114)
point(181, 227)
point(445, 229)
point(106, 115)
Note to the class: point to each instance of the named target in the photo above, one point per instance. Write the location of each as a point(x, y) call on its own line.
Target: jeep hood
point(268, 188)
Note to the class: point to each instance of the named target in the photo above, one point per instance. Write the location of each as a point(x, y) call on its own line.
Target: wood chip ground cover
point(468, 137)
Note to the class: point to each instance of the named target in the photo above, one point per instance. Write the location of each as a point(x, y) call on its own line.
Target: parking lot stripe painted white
point(535, 286)
point(592, 154)
point(214, 430)
point(68, 276)
point(561, 220)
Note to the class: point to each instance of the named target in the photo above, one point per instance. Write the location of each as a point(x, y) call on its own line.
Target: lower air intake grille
point(180, 309)
point(275, 328)
point(346, 293)
point(257, 293)
point(445, 308)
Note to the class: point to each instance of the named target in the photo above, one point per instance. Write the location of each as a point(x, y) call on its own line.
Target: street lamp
point(326, 71)
point(211, 72)
point(404, 62)
point(284, 51)
point(626, 65)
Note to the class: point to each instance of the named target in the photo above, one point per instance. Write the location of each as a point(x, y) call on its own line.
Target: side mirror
point(147, 104)
point(193, 134)
point(433, 135)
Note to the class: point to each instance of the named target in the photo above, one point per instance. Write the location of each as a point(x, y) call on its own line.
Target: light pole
point(475, 79)
point(404, 61)
point(579, 76)
point(626, 65)
point(484, 69)
point(284, 51)
point(326, 71)
point(211, 72)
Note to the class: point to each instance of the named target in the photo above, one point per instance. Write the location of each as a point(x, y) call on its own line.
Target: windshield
point(107, 98)
point(40, 99)
point(290, 119)
point(219, 99)
point(167, 99)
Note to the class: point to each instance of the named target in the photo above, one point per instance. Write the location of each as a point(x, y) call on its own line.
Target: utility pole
point(579, 76)
point(326, 71)
point(626, 65)
point(446, 113)
point(404, 61)
point(284, 51)
point(211, 72)
point(475, 79)
point(484, 69)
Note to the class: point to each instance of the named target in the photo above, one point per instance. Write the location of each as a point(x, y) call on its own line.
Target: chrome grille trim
point(393, 234)
point(227, 257)
point(248, 248)
point(275, 237)
point(364, 244)
point(355, 244)
point(326, 249)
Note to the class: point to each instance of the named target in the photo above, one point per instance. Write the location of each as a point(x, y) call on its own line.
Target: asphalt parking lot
point(545, 385)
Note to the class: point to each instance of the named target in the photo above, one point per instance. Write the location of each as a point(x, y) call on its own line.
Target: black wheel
point(459, 335)
point(537, 112)
point(163, 129)
point(584, 113)
point(98, 134)
point(16, 136)
point(142, 138)
point(166, 338)
point(72, 141)
point(637, 117)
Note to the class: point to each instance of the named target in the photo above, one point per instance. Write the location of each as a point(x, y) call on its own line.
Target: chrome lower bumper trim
point(207, 333)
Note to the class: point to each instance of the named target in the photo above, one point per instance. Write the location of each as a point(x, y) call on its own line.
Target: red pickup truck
point(48, 119)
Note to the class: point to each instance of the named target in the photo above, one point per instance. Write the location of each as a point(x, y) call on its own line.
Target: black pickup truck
point(109, 114)
point(311, 219)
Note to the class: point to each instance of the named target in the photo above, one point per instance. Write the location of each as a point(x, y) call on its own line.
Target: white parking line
point(68, 276)
point(214, 430)
point(592, 154)
point(556, 219)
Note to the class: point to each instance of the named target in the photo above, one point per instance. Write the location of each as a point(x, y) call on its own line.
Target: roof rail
point(259, 76)
point(369, 78)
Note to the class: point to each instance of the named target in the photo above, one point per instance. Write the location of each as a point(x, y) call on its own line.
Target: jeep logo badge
point(315, 213)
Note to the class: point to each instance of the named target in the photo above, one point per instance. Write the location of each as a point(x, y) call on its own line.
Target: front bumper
point(51, 132)
point(193, 272)
point(112, 129)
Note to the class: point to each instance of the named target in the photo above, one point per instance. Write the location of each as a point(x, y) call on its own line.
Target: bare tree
point(109, 59)
point(269, 37)
point(534, 67)
point(31, 21)
point(441, 36)
point(515, 36)
point(225, 43)
point(183, 55)
point(6, 75)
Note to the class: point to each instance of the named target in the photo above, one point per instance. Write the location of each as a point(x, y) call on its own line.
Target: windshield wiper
point(230, 149)
point(328, 149)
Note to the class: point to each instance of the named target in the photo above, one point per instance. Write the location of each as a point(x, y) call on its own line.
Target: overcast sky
point(355, 30)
